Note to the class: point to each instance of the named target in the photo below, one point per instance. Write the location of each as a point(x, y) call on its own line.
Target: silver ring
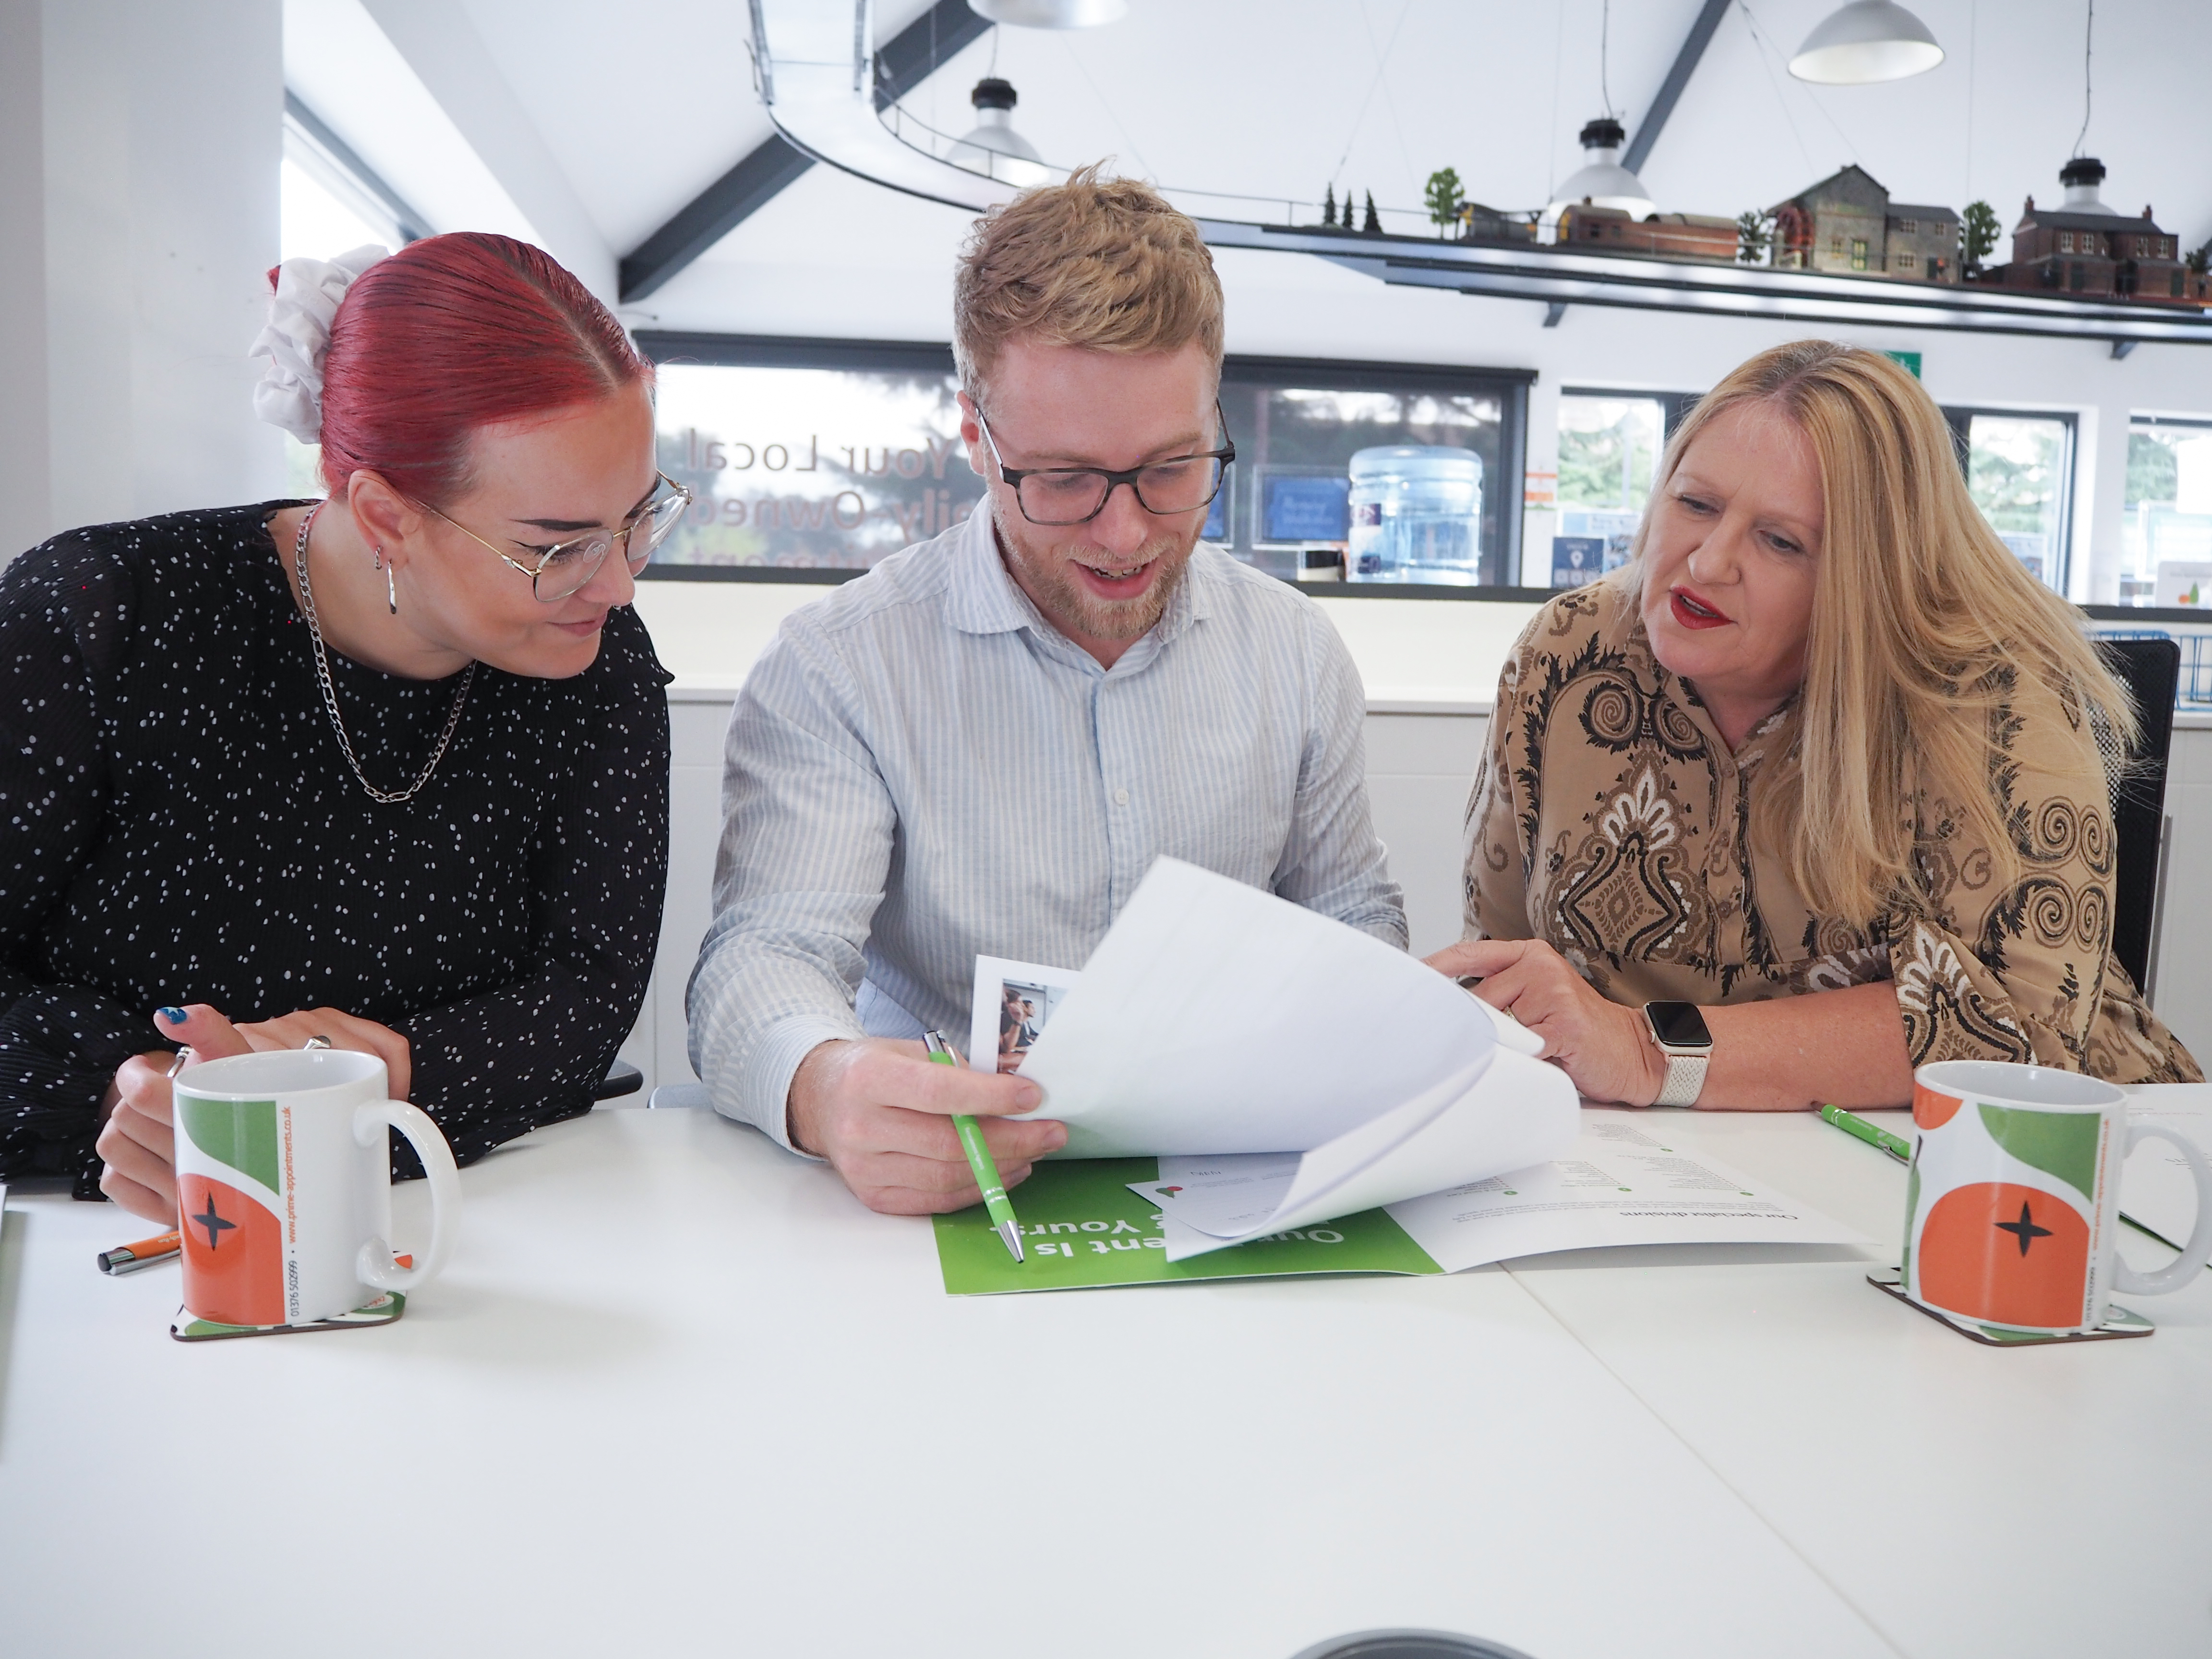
point(318, 1041)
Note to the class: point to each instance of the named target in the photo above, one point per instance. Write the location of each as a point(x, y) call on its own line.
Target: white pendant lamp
point(992, 147)
point(1602, 180)
point(1051, 13)
point(1866, 41)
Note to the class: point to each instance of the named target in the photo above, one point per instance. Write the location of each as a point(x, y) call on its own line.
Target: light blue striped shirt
point(922, 770)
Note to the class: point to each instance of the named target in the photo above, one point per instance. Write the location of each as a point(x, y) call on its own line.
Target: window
point(1610, 444)
point(1835, 248)
point(810, 460)
point(1905, 261)
point(1609, 448)
point(807, 455)
point(2166, 543)
point(2020, 471)
point(1858, 253)
point(329, 202)
point(1909, 226)
point(1297, 425)
point(2066, 241)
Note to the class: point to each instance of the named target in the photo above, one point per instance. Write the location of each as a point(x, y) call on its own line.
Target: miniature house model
point(2082, 247)
point(1847, 223)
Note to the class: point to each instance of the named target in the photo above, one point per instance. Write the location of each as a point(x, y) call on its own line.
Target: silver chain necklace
point(386, 796)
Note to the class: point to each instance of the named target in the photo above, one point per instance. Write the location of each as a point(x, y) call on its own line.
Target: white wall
point(24, 489)
point(139, 190)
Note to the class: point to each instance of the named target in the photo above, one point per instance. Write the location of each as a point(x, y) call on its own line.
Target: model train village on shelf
point(1846, 225)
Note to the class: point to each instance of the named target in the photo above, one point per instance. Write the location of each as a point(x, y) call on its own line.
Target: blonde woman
point(1810, 792)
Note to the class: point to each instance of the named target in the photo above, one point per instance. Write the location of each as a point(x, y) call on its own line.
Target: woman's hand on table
point(880, 1112)
point(138, 1143)
point(1602, 1046)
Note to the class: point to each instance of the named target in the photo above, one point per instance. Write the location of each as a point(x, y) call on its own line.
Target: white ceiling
point(643, 104)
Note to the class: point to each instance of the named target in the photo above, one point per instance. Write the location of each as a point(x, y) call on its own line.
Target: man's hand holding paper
point(882, 1116)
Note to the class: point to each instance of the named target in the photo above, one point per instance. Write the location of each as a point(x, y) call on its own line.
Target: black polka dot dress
point(177, 824)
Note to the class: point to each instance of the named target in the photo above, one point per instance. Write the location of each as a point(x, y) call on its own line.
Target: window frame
point(332, 153)
point(1960, 417)
point(1510, 385)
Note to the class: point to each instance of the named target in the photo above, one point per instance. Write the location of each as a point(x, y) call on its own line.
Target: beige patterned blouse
point(1609, 819)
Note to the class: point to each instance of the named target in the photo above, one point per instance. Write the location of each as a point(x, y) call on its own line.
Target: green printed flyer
point(1082, 1227)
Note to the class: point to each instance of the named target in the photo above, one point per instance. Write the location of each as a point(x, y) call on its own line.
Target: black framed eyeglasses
point(1061, 495)
point(567, 566)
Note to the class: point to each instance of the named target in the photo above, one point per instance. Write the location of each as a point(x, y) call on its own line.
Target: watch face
point(1678, 1024)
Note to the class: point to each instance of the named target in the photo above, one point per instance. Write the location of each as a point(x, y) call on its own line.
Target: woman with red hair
point(390, 769)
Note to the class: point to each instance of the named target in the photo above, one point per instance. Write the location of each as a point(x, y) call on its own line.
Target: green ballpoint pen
point(1873, 1134)
point(979, 1158)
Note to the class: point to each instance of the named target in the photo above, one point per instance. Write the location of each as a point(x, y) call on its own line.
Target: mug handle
point(375, 1264)
point(2173, 1276)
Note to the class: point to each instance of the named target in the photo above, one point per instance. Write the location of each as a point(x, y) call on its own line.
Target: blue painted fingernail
point(173, 1016)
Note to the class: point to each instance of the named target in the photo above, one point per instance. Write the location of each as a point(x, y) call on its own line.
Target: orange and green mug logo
point(2006, 1254)
point(1995, 1245)
point(233, 1243)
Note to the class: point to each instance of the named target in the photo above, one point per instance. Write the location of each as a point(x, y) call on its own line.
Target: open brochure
point(1215, 1019)
point(1629, 1178)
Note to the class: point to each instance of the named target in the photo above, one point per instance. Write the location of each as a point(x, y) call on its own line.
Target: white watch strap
point(1686, 1080)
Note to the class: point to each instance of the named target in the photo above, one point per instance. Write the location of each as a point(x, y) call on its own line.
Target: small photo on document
point(1014, 1002)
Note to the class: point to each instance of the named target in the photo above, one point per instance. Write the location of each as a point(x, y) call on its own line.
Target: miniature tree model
point(2199, 259)
point(1752, 239)
point(1980, 229)
point(1372, 224)
point(1329, 206)
point(1444, 199)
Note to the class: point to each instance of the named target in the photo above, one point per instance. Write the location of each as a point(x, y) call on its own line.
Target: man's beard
point(1073, 609)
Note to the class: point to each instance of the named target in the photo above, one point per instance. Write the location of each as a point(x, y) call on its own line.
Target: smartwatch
point(1679, 1030)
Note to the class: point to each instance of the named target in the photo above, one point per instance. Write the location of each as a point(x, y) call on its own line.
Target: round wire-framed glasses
point(565, 568)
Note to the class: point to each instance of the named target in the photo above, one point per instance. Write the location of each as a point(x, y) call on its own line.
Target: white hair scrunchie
point(298, 334)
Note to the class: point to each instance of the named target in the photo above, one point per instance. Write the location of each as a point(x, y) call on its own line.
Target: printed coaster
point(2118, 1321)
point(382, 1311)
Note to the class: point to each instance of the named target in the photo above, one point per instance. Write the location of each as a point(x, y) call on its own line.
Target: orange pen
point(130, 1258)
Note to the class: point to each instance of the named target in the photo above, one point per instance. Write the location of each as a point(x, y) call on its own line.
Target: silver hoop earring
point(391, 589)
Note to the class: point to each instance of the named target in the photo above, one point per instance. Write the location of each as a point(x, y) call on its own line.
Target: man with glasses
point(980, 746)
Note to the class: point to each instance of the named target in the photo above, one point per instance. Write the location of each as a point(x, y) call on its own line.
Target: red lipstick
point(1691, 611)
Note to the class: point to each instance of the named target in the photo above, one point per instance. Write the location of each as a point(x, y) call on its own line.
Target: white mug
point(2013, 1206)
point(284, 1186)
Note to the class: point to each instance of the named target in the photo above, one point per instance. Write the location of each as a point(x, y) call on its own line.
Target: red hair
point(453, 333)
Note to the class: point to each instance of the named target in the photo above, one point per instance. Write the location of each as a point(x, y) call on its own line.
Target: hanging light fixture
point(1600, 180)
point(1866, 41)
point(992, 146)
point(1051, 13)
point(2081, 177)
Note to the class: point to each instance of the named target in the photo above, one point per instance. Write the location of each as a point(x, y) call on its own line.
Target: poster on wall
point(809, 468)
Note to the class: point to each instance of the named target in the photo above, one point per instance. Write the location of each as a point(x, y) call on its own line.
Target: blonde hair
point(1923, 625)
point(1104, 264)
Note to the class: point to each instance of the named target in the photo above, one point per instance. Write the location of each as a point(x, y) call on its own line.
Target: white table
point(678, 1393)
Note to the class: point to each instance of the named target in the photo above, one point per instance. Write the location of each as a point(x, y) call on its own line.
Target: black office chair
point(2151, 670)
point(621, 1078)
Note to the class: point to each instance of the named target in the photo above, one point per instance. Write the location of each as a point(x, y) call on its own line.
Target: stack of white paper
point(1217, 1019)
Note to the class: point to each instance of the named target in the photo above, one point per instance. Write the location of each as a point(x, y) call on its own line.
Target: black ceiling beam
point(911, 57)
point(1670, 89)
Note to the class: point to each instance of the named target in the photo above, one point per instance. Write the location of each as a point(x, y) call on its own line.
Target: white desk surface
point(679, 1393)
